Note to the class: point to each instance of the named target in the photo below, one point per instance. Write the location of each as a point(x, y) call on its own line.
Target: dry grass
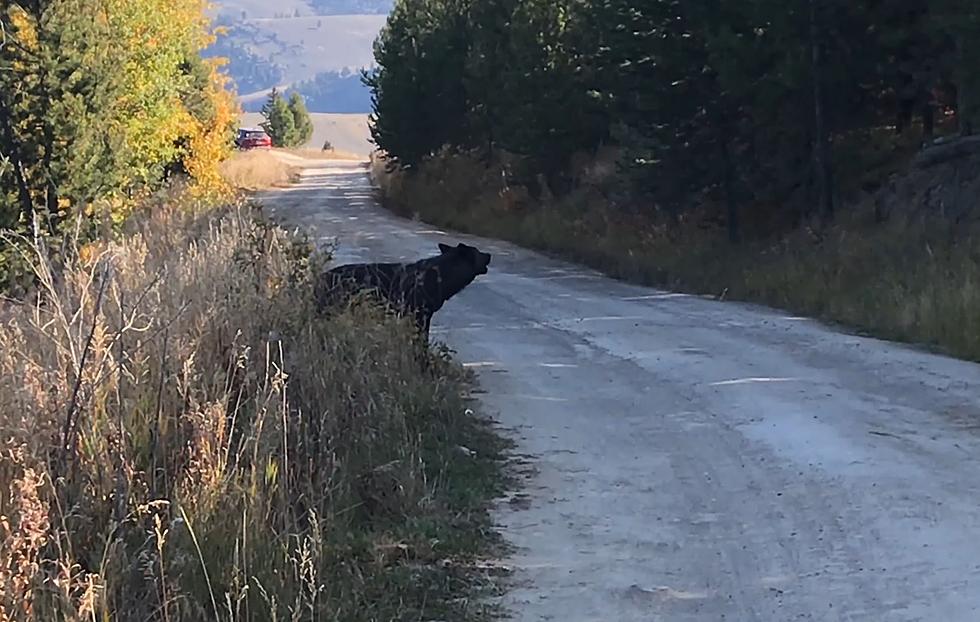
point(902, 281)
point(261, 169)
point(183, 439)
point(257, 169)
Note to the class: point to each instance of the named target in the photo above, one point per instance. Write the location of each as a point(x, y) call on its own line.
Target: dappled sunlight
point(654, 297)
point(775, 581)
point(757, 380)
point(605, 318)
point(534, 398)
point(565, 277)
point(663, 593)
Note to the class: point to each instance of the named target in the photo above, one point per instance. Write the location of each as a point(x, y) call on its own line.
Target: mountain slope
point(284, 43)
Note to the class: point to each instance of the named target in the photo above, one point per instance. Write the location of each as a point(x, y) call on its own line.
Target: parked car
point(252, 138)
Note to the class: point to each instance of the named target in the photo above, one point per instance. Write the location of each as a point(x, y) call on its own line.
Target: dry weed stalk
point(184, 440)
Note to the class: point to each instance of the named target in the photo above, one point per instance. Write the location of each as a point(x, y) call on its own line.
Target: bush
point(183, 439)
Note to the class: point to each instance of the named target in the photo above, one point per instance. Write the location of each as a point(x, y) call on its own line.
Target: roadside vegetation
point(257, 169)
point(744, 150)
point(184, 440)
point(287, 122)
point(181, 436)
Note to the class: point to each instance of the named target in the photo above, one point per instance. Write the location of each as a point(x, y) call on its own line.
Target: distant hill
point(315, 46)
point(299, 8)
point(332, 91)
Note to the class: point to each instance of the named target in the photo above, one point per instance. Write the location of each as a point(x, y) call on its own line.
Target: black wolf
point(418, 289)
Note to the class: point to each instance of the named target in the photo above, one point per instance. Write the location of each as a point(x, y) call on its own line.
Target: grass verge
point(257, 169)
point(182, 438)
point(903, 280)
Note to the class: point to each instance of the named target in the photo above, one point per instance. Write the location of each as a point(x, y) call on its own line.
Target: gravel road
point(697, 460)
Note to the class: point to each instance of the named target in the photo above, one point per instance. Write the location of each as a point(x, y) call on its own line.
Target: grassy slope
point(900, 281)
point(231, 454)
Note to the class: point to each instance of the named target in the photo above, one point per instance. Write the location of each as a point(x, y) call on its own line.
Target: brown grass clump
point(902, 280)
point(257, 169)
point(181, 438)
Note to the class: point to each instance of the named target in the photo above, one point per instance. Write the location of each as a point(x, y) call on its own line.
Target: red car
point(252, 138)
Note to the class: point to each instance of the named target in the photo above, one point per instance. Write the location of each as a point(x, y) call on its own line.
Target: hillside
point(290, 8)
point(280, 44)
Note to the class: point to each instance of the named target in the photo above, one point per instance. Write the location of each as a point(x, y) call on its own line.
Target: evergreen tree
point(960, 20)
point(59, 84)
point(91, 115)
point(418, 94)
point(742, 103)
point(301, 120)
point(279, 122)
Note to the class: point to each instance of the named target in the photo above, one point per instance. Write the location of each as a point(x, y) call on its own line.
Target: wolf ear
point(444, 249)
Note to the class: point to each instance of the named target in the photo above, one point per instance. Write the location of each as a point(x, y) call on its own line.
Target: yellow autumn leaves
point(156, 40)
point(104, 98)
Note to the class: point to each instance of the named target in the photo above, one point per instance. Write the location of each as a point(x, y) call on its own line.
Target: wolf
point(417, 289)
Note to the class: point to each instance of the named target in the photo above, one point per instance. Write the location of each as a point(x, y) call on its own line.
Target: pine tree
point(59, 86)
point(741, 103)
point(279, 123)
point(418, 93)
point(301, 120)
point(960, 20)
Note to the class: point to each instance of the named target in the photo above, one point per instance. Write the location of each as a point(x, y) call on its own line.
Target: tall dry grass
point(257, 169)
point(903, 280)
point(181, 438)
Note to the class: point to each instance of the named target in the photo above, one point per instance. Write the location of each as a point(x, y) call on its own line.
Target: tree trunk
point(16, 161)
point(731, 200)
point(968, 82)
point(928, 121)
point(821, 152)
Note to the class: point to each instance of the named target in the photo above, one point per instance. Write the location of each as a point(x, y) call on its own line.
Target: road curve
point(697, 460)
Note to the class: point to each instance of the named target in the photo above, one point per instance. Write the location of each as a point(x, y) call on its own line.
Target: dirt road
point(699, 460)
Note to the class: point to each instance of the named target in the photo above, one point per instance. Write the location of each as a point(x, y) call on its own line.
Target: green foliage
point(301, 119)
point(279, 122)
point(100, 100)
point(288, 123)
point(419, 100)
point(57, 80)
point(738, 103)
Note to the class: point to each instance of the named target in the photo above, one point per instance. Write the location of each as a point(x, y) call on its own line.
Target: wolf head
point(455, 268)
point(467, 255)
